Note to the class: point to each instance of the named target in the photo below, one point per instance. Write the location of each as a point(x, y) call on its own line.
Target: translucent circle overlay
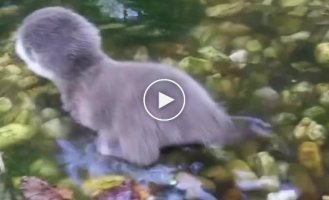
point(164, 80)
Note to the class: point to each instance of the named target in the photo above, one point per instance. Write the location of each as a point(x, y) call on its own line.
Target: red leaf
point(36, 189)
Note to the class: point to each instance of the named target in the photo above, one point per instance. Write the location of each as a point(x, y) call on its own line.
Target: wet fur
point(106, 95)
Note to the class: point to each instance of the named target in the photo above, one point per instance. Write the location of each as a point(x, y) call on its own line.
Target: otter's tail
point(252, 126)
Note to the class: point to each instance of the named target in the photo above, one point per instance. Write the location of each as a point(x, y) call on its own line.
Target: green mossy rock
point(13, 69)
point(56, 128)
point(5, 59)
point(225, 10)
point(28, 81)
point(218, 174)
point(5, 104)
point(322, 53)
point(223, 87)
point(23, 117)
point(284, 118)
point(196, 66)
point(292, 3)
point(254, 46)
point(287, 25)
point(309, 130)
point(266, 165)
point(233, 28)
point(213, 54)
point(45, 168)
point(49, 113)
point(324, 99)
point(315, 113)
point(13, 134)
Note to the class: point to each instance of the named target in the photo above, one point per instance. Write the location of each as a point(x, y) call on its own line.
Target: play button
point(164, 99)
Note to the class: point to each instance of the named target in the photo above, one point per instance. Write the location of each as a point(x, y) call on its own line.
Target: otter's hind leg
point(108, 145)
point(142, 151)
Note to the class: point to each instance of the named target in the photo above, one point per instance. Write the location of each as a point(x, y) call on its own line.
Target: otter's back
point(117, 94)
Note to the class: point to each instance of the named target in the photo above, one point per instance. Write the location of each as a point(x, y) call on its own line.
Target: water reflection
point(116, 9)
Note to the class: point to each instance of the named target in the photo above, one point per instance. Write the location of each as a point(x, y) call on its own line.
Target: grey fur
point(106, 95)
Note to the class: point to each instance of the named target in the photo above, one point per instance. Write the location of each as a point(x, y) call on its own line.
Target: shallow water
point(282, 80)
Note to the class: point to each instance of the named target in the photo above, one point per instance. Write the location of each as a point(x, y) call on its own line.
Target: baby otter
point(106, 95)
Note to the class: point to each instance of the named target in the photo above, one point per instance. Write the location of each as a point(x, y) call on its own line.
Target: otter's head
point(55, 43)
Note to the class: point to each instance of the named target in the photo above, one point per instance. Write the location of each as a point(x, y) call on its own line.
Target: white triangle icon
point(164, 100)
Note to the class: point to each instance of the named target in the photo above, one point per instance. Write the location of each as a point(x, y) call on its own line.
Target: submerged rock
point(93, 186)
point(300, 36)
point(304, 67)
point(307, 129)
point(303, 89)
point(224, 87)
point(231, 28)
point(283, 118)
point(240, 58)
point(5, 104)
point(299, 11)
point(292, 3)
point(45, 168)
point(213, 54)
point(27, 101)
point(218, 174)
point(28, 81)
point(196, 66)
point(324, 98)
point(5, 59)
point(315, 113)
point(23, 116)
point(56, 128)
point(287, 25)
point(310, 157)
point(240, 42)
point(321, 88)
point(142, 54)
point(266, 165)
point(13, 134)
point(254, 46)
point(243, 175)
point(225, 10)
point(291, 100)
point(204, 33)
point(192, 186)
point(13, 69)
point(283, 195)
point(271, 52)
point(49, 113)
point(9, 10)
point(302, 180)
point(267, 97)
point(322, 53)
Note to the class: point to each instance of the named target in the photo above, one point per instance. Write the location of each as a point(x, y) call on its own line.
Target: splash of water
point(75, 160)
point(116, 9)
